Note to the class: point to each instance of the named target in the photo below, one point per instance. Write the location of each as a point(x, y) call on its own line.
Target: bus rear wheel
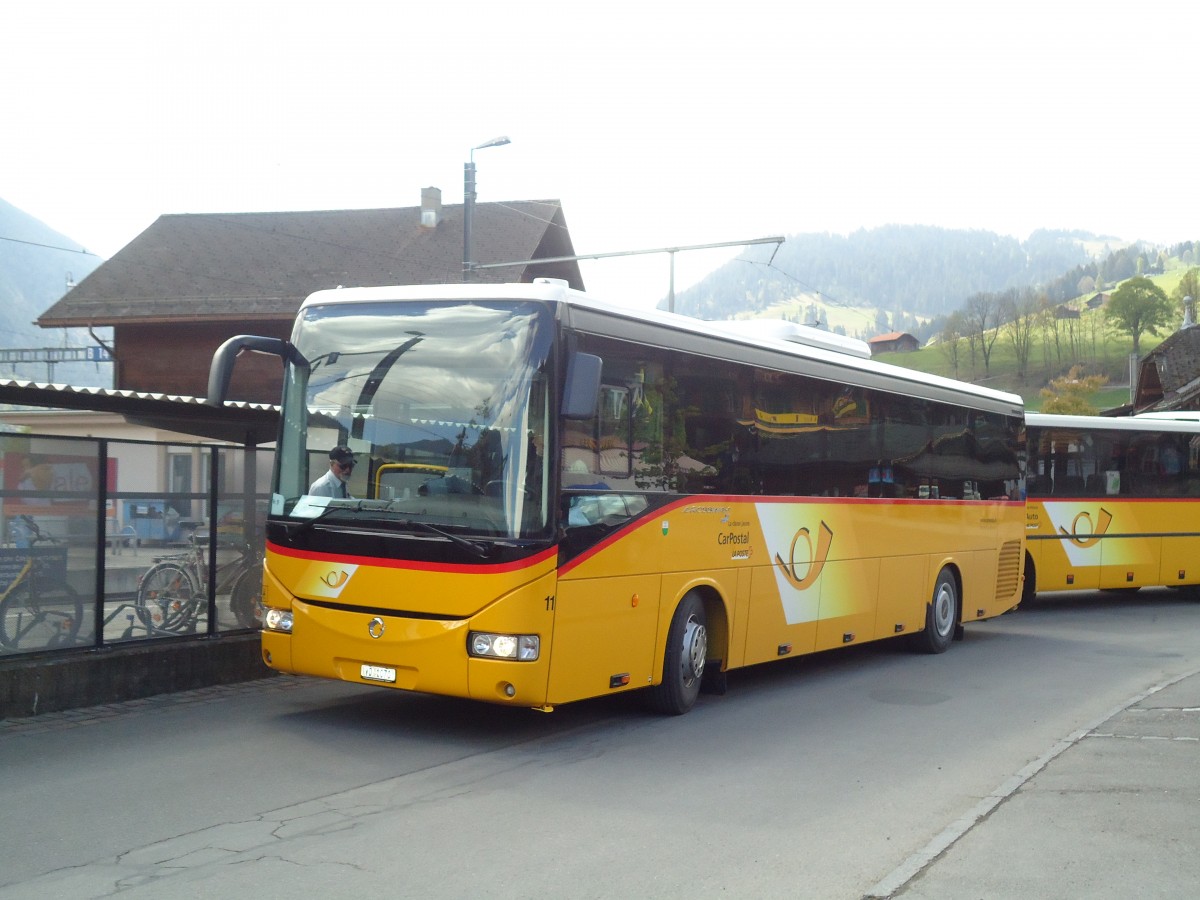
point(941, 615)
point(1029, 586)
point(683, 663)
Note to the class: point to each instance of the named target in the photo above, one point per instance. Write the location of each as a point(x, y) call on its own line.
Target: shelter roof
point(235, 422)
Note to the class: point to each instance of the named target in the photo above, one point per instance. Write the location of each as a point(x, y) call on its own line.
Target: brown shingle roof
point(1169, 373)
point(262, 265)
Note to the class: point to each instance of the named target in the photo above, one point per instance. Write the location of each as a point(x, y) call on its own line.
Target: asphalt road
point(870, 771)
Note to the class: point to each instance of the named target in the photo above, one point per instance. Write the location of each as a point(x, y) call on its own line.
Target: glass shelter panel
point(49, 516)
point(108, 541)
point(238, 532)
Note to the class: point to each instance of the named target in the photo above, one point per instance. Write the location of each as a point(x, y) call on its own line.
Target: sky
point(656, 124)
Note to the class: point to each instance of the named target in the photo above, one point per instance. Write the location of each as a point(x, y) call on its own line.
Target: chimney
point(1189, 317)
point(431, 207)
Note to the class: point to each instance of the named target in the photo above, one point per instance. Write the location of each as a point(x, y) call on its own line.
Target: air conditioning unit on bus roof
point(780, 330)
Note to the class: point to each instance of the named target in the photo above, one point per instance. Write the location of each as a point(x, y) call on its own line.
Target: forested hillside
point(906, 270)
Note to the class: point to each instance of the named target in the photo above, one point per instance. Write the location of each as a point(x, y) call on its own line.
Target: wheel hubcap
point(695, 648)
point(943, 609)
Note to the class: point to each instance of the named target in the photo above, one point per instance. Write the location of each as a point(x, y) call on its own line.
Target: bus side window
point(579, 457)
point(607, 508)
point(616, 432)
point(602, 445)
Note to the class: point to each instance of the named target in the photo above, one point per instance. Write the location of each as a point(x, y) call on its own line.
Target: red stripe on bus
point(483, 569)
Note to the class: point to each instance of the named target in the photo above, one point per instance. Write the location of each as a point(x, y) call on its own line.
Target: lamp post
point(469, 203)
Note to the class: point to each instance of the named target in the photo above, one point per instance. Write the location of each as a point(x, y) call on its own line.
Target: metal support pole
point(469, 205)
point(468, 216)
point(671, 290)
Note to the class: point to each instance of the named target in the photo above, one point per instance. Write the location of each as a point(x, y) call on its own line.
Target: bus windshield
point(443, 404)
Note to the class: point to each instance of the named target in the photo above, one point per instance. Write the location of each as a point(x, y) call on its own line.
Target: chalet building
point(893, 342)
point(188, 282)
point(1168, 376)
point(1098, 301)
point(1065, 312)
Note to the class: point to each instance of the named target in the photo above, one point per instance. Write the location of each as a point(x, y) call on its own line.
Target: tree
point(951, 343)
point(1189, 286)
point(1139, 306)
point(1070, 395)
point(1020, 315)
point(982, 317)
point(1047, 324)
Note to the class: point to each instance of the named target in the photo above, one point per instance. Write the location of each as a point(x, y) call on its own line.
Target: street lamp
point(469, 203)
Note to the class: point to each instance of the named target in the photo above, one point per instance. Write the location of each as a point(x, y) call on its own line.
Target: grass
point(1099, 351)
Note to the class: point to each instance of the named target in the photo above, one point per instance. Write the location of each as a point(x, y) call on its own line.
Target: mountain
point(907, 273)
point(37, 265)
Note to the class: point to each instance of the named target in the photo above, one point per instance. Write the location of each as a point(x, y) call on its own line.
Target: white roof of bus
point(1149, 423)
point(1179, 415)
point(838, 350)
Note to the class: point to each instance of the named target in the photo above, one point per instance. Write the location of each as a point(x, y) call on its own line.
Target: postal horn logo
point(815, 561)
point(1083, 533)
point(335, 579)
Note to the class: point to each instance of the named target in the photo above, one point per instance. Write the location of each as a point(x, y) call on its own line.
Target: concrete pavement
point(1112, 810)
point(129, 666)
point(1107, 812)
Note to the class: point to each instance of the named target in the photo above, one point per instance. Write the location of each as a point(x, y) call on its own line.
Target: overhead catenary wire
point(80, 250)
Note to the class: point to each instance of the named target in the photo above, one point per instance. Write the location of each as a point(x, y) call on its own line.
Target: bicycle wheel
point(43, 619)
point(245, 601)
point(167, 599)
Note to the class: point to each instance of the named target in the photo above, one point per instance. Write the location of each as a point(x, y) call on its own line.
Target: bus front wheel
point(683, 663)
point(941, 615)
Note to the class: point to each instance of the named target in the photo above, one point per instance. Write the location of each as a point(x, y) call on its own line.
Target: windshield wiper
point(480, 550)
point(296, 529)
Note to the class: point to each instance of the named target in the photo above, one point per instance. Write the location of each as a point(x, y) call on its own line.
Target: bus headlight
point(277, 620)
point(519, 647)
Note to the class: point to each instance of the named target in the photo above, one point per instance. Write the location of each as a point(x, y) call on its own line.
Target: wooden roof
point(262, 265)
point(1169, 375)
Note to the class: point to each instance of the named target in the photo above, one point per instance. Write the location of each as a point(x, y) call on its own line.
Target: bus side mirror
point(581, 393)
point(221, 370)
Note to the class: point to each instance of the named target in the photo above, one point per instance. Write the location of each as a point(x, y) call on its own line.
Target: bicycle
point(38, 609)
point(245, 600)
point(173, 593)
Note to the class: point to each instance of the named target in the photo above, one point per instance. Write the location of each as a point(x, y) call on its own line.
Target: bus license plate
point(378, 673)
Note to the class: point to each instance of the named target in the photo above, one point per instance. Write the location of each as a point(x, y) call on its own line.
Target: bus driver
point(333, 482)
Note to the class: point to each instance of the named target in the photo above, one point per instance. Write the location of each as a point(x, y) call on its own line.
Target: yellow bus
point(1112, 503)
point(613, 500)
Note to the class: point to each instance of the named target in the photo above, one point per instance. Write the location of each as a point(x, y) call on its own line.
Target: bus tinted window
point(1065, 462)
point(679, 423)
